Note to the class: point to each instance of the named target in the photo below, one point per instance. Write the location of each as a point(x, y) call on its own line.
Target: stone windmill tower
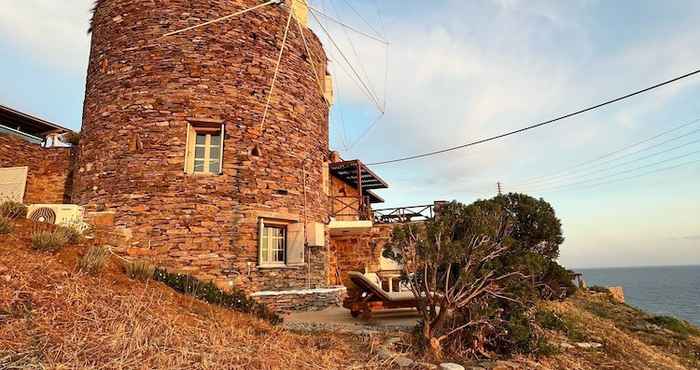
point(185, 143)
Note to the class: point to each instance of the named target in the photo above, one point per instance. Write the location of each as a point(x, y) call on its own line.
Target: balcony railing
point(405, 214)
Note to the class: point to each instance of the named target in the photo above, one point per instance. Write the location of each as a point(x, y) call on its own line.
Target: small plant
point(71, 234)
point(94, 260)
point(673, 324)
point(48, 241)
point(549, 320)
point(139, 270)
point(235, 299)
point(13, 210)
point(5, 225)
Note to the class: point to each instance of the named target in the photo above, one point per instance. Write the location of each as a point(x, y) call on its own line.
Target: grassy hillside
point(52, 316)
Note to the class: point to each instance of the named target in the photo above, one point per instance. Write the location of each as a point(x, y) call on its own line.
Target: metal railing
point(404, 214)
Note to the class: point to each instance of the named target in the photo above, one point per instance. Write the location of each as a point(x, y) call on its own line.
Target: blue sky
point(458, 71)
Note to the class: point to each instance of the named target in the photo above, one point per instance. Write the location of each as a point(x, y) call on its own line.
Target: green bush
point(235, 300)
point(673, 324)
point(549, 320)
point(5, 225)
point(48, 241)
point(13, 210)
point(94, 260)
point(139, 270)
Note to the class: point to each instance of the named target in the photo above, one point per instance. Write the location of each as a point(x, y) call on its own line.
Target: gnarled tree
point(451, 268)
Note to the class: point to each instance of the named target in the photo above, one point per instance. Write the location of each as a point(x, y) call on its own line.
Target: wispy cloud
point(53, 32)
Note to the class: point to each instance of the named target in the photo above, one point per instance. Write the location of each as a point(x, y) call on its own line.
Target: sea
point(661, 290)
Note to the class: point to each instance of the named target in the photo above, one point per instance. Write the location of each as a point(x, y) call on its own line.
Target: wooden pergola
point(358, 175)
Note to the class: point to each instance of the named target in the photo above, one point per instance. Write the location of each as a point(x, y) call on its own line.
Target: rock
point(617, 294)
point(451, 366)
point(403, 361)
point(588, 345)
point(566, 346)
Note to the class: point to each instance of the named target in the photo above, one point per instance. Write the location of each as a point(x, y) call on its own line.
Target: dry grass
point(93, 260)
point(139, 270)
point(622, 348)
point(52, 317)
point(5, 225)
point(48, 241)
point(13, 210)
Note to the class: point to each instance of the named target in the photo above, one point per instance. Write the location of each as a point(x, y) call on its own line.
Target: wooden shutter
point(261, 230)
point(189, 150)
point(295, 244)
point(221, 150)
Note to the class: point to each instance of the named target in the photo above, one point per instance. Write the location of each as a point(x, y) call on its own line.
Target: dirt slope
point(54, 317)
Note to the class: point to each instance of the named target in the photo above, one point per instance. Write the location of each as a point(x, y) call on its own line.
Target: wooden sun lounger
point(371, 298)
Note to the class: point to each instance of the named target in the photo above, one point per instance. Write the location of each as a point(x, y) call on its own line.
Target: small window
point(204, 149)
point(273, 245)
point(281, 243)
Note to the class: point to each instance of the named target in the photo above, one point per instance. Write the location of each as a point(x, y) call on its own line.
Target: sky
point(455, 71)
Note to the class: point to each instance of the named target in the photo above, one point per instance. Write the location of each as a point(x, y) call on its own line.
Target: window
point(281, 243)
point(273, 246)
point(204, 148)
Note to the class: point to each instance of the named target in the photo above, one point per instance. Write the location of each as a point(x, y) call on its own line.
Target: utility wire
point(630, 162)
point(592, 167)
point(595, 161)
point(628, 170)
point(222, 18)
point(626, 178)
point(314, 11)
point(578, 112)
point(325, 30)
point(362, 18)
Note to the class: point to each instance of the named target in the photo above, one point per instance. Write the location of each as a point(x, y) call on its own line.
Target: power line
point(362, 18)
point(632, 161)
point(368, 90)
point(578, 112)
point(592, 166)
point(613, 153)
point(627, 178)
point(626, 171)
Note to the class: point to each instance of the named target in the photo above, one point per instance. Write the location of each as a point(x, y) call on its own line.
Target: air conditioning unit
point(59, 214)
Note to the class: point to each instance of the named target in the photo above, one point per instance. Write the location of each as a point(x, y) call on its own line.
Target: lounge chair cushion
point(365, 283)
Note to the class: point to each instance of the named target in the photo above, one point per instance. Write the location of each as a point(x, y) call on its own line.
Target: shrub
point(139, 270)
point(549, 320)
point(94, 260)
point(13, 210)
point(71, 234)
point(235, 300)
point(673, 324)
point(5, 225)
point(49, 241)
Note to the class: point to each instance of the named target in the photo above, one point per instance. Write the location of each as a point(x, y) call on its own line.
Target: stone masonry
point(143, 90)
point(49, 174)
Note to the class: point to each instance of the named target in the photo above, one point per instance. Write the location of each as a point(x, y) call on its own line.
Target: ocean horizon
point(659, 290)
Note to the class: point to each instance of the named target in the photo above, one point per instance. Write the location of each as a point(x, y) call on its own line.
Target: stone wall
point(357, 252)
point(49, 177)
point(141, 92)
point(302, 300)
